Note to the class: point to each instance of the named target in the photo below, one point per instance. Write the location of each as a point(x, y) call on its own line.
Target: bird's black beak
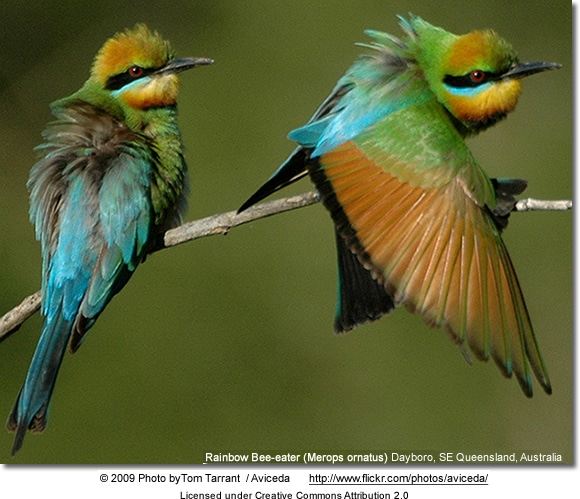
point(523, 69)
point(183, 64)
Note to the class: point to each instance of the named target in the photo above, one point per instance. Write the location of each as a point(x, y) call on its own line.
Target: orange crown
point(137, 46)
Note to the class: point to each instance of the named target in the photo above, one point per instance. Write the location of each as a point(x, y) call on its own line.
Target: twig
point(221, 224)
point(11, 322)
point(530, 204)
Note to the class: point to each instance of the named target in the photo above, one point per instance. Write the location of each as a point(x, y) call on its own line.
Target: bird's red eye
point(136, 71)
point(477, 76)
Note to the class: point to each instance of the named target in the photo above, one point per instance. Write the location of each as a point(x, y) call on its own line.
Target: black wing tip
point(261, 193)
point(527, 389)
point(361, 298)
point(293, 169)
point(526, 384)
point(270, 187)
point(545, 384)
point(346, 322)
point(524, 379)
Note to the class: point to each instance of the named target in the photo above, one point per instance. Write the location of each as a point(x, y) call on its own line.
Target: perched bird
point(418, 221)
point(111, 180)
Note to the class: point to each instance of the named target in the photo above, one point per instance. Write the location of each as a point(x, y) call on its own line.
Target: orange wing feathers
point(438, 253)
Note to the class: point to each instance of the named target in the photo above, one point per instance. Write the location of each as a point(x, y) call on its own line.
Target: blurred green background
point(226, 344)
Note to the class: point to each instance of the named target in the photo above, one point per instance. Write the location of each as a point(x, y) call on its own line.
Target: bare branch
point(530, 204)
point(222, 223)
point(11, 322)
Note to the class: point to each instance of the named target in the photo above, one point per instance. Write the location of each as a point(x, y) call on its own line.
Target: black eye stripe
point(466, 81)
point(118, 81)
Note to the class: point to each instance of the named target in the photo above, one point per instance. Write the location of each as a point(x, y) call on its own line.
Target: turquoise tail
point(30, 411)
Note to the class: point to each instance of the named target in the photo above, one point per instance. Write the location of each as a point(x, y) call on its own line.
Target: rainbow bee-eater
point(418, 221)
point(111, 179)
